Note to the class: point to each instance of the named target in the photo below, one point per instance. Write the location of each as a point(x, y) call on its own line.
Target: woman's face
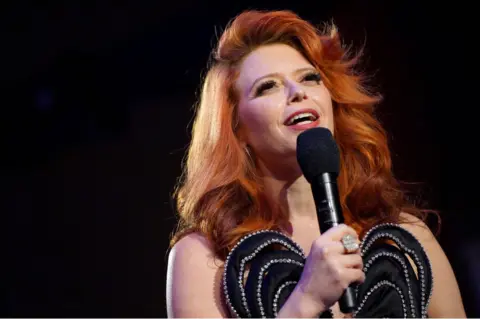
point(280, 95)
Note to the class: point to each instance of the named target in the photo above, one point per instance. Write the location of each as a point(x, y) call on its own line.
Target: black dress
point(391, 288)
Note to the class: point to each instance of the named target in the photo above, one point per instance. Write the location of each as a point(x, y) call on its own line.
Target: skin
point(291, 86)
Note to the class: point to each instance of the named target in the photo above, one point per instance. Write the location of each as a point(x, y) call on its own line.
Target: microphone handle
point(329, 212)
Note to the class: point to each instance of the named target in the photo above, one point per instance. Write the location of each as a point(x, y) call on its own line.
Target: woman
point(274, 75)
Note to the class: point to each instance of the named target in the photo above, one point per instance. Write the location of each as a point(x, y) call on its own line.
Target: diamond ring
point(350, 244)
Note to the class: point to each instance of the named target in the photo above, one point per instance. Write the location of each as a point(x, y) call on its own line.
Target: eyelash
point(311, 76)
point(267, 85)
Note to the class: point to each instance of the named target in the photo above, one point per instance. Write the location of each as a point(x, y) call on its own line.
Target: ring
point(350, 244)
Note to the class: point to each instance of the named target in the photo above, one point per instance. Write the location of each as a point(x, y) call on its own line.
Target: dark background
point(96, 108)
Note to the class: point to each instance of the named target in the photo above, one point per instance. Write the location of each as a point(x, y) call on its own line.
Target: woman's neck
point(291, 193)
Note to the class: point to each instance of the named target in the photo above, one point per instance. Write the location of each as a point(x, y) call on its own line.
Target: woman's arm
point(194, 285)
point(193, 280)
point(446, 300)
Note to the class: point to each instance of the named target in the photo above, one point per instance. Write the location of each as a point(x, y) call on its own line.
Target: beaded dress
point(391, 289)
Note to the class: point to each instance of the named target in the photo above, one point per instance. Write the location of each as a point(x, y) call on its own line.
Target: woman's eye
point(265, 86)
point(313, 77)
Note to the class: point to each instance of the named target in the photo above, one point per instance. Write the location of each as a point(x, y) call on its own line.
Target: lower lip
point(303, 127)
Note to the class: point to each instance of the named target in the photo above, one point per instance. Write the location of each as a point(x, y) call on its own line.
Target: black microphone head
point(317, 153)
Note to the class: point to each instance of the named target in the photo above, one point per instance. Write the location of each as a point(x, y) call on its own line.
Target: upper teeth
point(308, 115)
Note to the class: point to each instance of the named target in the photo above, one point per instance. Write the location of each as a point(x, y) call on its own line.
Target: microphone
point(319, 160)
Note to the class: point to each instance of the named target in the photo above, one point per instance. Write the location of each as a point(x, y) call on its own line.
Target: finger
point(355, 275)
point(336, 233)
point(351, 261)
point(332, 247)
point(348, 239)
point(350, 244)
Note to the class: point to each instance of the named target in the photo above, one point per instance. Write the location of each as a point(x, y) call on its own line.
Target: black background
point(97, 103)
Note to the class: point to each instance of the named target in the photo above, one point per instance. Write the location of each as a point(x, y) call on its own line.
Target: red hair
point(219, 195)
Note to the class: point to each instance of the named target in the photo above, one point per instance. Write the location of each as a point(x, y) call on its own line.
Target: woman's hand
point(328, 271)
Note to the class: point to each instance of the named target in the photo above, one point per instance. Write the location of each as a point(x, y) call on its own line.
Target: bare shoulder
point(193, 279)
point(446, 299)
point(417, 227)
point(194, 246)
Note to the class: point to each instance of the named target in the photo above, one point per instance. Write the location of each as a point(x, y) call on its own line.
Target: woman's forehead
point(268, 59)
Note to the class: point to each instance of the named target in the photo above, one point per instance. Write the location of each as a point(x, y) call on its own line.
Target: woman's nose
point(297, 94)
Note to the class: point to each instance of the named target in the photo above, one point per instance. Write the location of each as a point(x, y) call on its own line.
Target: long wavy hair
point(219, 195)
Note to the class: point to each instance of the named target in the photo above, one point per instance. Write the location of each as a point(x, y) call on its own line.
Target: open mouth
point(302, 118)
